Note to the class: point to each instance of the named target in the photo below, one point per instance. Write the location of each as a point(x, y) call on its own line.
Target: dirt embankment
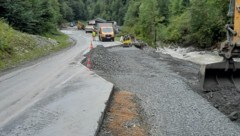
point(122, 117)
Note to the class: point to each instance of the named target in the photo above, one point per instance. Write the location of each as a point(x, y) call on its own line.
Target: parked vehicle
point(89, 28)
point(105, 31)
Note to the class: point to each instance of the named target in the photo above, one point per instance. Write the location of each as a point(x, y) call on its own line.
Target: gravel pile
point(166, 90)
point(226, 100)
point(103, 60)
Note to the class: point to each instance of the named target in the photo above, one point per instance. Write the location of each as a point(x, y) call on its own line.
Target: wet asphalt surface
point(168, 91)
point(55, 95)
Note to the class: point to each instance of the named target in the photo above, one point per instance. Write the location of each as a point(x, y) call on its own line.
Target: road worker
point(94, 35)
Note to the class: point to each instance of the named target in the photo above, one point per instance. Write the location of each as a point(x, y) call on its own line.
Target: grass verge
point(17, 47)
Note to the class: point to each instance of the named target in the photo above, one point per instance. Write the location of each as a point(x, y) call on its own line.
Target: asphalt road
point(45, 97)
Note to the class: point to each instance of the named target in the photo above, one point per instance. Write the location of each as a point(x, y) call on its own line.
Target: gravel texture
point(167, 89)
point(226, 99)
point(101, 58)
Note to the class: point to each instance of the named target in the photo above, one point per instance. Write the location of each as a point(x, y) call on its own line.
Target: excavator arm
point(225, 74)
point(231, 48)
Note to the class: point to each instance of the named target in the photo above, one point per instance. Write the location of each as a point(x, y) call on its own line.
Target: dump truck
point(225, 74)
point(89, 28)
point(105, 31)
point(80, 26)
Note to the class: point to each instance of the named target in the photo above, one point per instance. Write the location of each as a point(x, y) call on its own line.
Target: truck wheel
point(113, 39)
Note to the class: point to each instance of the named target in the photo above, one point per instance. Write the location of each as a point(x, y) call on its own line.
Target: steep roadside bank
point(17, 47)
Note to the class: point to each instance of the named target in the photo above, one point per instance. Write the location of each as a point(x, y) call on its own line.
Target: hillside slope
point(17, 47)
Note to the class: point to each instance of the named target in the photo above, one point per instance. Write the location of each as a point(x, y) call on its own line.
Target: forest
point(187, 22)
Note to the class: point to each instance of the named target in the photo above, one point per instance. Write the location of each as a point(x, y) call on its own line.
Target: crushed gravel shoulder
point(167, 89)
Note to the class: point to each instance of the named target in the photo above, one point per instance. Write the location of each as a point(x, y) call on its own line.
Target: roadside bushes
point(35, 16)
point(207, 21)
point(177, 30)
point(188, 22)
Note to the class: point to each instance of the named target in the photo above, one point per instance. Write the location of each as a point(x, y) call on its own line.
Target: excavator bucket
point(220, 75)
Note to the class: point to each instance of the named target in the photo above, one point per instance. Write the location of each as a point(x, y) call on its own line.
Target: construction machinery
point(80, 25)
point(89, 28)
point(226, 73)
point(127, 41)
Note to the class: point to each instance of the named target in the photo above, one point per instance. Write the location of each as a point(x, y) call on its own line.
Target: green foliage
point(183, 21)
point(41, 16)
point(177, 30)
point(147, 19)
point(142, 19)
point(17, 47)
point(78, 8)
point(107, 9)
point(9, 39)
point(12, 42)
point(206, 25)
point(32, 16)
point(132, 15)
point(66, 11)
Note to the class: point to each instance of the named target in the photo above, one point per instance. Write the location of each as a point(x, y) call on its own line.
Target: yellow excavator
point(225, 74)
point(80, 25)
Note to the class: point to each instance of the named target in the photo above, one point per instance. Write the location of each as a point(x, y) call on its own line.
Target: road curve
point(55, 96)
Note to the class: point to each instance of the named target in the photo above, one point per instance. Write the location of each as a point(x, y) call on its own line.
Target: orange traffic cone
point(91, 46)
point(89, 62)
